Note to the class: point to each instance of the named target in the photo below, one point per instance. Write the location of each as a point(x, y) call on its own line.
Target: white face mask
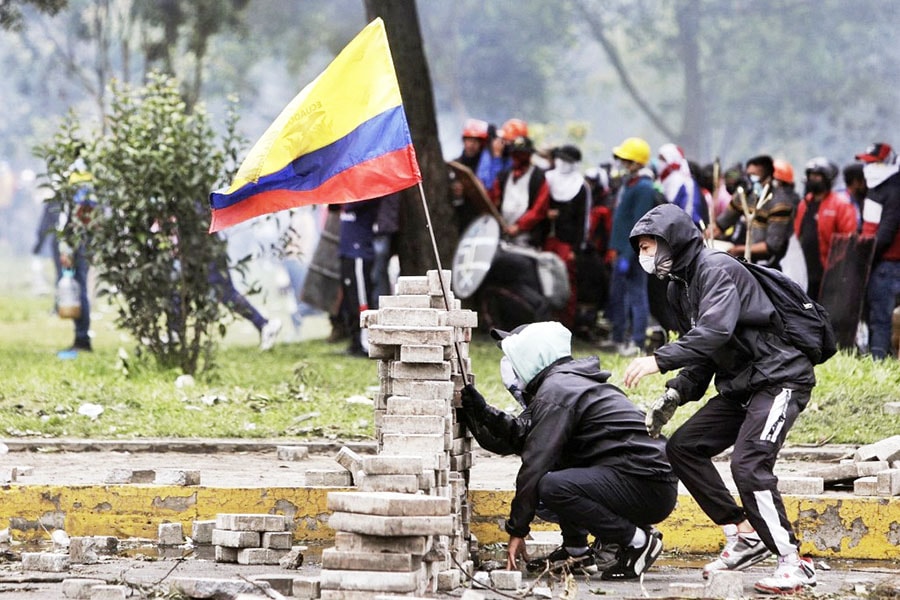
point(661, 268)
point(564, 167)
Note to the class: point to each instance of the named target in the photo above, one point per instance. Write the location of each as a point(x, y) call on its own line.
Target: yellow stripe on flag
point(359, 84)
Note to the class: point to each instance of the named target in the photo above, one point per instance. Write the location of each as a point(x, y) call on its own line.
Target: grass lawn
point(305, 388)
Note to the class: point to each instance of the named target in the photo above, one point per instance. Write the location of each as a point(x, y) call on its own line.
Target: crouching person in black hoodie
point(587, 460)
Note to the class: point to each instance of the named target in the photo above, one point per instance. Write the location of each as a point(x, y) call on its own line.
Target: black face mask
point(816, 187)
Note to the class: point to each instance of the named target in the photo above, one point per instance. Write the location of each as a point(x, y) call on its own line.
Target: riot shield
point(474, 255)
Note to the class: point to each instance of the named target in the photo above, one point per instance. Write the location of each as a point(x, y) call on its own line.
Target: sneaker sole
point(740, 567)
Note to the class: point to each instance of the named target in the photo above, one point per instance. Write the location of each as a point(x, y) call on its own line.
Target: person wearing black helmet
point(588, 462)
point(820, 215)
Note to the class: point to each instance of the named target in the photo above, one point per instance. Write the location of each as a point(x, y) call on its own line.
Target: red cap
point(877, 152)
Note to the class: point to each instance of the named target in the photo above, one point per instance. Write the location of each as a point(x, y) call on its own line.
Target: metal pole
point(440, 270)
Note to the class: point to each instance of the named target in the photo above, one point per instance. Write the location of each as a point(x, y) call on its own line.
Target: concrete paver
point(224, 465)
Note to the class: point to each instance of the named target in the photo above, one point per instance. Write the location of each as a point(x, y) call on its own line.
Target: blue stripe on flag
point(376, 137)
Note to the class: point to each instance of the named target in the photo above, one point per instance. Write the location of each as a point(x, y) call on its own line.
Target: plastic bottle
point(68, 296)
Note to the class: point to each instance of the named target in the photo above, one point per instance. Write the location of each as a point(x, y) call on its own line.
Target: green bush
point(152, 167)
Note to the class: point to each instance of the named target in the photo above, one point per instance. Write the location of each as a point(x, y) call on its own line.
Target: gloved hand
point(472, 400)
point(622, 264)
point(661, 411)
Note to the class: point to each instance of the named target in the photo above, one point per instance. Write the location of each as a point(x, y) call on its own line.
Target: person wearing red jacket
point(881, 219)
point(820, 215)
point(517, 190)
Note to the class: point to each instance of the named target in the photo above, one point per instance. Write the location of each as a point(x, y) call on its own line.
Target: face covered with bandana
point(511, 381)
point(655, 256)
point(527, 350)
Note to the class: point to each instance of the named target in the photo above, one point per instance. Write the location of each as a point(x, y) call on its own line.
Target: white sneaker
point(269, 334)
point(741, 551)
point(791, 576)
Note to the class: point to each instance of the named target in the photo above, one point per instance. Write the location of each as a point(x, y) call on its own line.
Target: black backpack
point(805, 323)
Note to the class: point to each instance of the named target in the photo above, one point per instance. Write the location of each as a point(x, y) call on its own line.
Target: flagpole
point(440, 270)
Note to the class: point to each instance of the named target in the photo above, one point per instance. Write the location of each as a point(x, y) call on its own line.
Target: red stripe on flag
point(380, 176)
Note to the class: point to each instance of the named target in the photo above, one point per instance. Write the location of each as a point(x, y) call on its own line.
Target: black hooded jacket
point(724, 318)
point(573, 418)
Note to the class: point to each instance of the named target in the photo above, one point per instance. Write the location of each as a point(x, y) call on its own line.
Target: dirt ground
point(859, 579)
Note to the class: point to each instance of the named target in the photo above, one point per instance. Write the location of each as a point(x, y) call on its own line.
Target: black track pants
point(604, 502)
point(757, 430)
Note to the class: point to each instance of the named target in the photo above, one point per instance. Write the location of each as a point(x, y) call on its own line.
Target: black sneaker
point(634, 562)
point(560, 560)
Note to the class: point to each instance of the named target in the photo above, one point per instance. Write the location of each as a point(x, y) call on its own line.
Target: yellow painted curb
point(829, 526)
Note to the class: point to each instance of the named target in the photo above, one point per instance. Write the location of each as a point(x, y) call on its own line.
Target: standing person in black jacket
point(356, 248)
point(587, 460)
point(726, 324)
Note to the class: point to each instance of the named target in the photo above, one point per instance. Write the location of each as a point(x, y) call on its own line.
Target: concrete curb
point(832, 525)
point(827, 453)
point(186, 445)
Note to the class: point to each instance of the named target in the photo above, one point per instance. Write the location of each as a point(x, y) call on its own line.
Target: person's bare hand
point(640, 368)
point(515, 549)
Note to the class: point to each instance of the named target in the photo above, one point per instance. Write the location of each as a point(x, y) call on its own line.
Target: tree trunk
point(401, 21)
point(694, 133)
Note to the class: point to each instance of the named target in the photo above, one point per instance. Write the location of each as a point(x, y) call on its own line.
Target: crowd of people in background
point(756, 209)
point(549, 201)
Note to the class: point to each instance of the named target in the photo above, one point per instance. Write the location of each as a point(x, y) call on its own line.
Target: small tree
point(148, 237)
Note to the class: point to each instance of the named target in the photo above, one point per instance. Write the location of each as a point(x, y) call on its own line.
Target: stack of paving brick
point(251, 539)
point(422, 450)
point(873, 471)
point(386, 543)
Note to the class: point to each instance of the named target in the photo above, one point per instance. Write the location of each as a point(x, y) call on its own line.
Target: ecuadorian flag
point(343, 138)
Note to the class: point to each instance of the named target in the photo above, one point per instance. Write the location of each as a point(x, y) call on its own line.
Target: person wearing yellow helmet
point(628, 306)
